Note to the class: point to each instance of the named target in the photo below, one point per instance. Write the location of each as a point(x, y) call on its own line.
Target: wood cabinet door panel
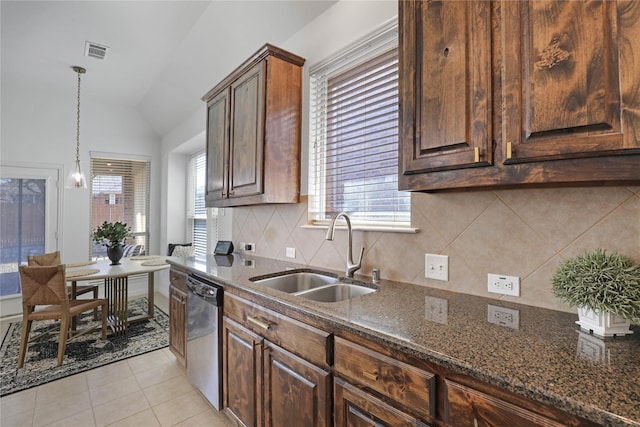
point(465, 406)
point(242, 374)
point(562, 81)
point(217, 146)
point(354, 407)
point(295, 390)
point(247, 133)
point(445, 85)
point(178, 324)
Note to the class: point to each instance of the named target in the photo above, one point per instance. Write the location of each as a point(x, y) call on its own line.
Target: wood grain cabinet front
point(254, 132)
point(178, 315)
point(503, 93)
point(274, 368)
point(405, 387)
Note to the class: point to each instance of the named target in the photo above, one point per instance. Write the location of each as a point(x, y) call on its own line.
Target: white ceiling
point(164, 55)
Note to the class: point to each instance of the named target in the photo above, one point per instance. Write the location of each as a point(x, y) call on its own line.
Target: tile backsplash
point(524, 232)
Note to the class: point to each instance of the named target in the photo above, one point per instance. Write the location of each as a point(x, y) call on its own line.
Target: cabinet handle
point(372, 376)
point(223, 194)
point(509, 150)
point(476, 154)
point(259, 323)
point(231, 193)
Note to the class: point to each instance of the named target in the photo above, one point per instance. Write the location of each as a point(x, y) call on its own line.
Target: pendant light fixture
point(76, 178)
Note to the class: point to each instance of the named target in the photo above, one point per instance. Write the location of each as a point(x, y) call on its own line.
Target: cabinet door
point(242, 374)
point(247, 133)
point(356, 408)
point(178, 324)
point(563, 74)
point(468, 407)
point(218, 147)
point(294, 389)
point(445, 86)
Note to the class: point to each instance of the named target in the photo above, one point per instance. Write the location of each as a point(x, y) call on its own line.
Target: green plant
point(113, 232)
point(600, 282)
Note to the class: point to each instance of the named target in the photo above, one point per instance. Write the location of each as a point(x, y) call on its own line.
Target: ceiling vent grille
point(95, 50)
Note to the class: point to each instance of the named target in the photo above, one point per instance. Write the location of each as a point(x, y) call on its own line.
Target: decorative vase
point(115, 253)
point(602, 324)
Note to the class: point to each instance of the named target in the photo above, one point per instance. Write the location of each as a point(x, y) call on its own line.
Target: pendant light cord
point(78, 123)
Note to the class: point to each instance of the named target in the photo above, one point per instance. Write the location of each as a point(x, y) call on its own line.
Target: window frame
point(373, 46)
point(210, 215)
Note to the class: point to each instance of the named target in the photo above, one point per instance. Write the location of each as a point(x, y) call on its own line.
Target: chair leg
point(95, 310)
point(24, 339)
point(105, 313)
point(62, 340)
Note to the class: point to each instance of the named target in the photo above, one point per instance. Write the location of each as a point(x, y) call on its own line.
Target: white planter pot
point(603, 324)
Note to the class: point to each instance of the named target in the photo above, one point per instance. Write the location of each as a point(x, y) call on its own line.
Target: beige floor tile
point(21, 419)
point(180, 409)
point(59, 407)
point(141, 419)
point(109, 373)
point(208, 418)
point(17, 403)
point(158, 374)
point(148, 361)
point(81, 419)
point(167, 390)
point(64, 387)
point(106, 393)
point(120, 409)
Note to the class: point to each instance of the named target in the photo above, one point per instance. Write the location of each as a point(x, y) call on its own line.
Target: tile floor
point(147, 390)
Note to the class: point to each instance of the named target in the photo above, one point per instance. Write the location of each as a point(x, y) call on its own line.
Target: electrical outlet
point(507, 285)
point(436, 267)
point(248, 247)
point(503, 316)
point(291, 252)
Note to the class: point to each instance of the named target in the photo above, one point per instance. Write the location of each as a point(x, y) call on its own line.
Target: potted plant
point(112, 235)
point(604, 287)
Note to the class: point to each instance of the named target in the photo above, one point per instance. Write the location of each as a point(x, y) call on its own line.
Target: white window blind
point(120, 192)
point(354, 134)
point(201, 221)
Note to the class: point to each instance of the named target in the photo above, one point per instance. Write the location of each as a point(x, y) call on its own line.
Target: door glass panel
point(22, 227)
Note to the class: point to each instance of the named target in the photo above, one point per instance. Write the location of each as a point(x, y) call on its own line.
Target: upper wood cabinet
point(509, 93)
point(254, 131)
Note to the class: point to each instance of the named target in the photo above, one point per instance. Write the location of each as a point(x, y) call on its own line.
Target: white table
point(116, 282)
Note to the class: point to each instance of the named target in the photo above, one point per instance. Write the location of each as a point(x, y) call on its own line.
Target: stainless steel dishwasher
point(204, 345)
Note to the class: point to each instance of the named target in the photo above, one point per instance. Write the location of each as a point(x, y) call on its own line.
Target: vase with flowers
point(112, 235)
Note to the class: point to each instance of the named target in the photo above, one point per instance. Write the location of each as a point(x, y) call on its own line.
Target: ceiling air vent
point(95, 50)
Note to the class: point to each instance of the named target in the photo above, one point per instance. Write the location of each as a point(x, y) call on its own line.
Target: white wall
point(40, 127)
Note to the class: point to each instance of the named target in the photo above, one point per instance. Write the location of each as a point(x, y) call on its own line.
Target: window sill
point(360, 227)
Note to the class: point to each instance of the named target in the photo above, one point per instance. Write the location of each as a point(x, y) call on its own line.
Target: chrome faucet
point(351, 266)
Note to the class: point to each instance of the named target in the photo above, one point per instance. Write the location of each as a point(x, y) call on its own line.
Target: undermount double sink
point(315, 286)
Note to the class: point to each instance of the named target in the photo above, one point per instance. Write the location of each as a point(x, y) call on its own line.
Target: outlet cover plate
point(507, 285)
point(436, 267)
point(291, 252)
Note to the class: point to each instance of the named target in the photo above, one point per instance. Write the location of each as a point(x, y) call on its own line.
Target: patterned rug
point(82, 353)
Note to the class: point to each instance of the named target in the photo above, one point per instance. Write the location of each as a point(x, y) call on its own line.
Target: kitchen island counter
point(537, 353)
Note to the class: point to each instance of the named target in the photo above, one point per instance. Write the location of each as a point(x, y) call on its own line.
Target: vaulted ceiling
point(163, 55)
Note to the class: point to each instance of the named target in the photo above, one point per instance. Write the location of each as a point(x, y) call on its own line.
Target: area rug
point(82, 353)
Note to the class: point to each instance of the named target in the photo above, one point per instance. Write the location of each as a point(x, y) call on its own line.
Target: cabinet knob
point(373, 376)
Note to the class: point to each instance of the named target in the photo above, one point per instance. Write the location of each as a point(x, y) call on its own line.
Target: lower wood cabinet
point(178, 316)
point(265, 384)
point(354, 407)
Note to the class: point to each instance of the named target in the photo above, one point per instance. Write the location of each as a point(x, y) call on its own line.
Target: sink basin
point(336, 292)
point(297, 281)
point(312, 285)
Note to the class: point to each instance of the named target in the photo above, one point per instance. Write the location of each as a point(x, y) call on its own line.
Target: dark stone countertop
point(545, 358)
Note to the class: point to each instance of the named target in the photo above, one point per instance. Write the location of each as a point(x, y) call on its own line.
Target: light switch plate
point(436, 267)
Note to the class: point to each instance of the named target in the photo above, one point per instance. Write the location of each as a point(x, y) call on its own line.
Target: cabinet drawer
point(303, 340)
point(466, 406)
point(178, 279)
point(411, 387)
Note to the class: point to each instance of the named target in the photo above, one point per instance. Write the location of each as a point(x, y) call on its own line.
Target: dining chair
point(46, 286)
point(53, 258)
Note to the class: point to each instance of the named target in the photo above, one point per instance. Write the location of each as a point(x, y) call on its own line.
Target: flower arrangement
point(600, 282)
point(113, 233)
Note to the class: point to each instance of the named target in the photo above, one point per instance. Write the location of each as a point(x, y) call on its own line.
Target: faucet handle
point(361, 255)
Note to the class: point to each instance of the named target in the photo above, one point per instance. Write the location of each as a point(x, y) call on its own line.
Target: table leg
point(116, 289)
point(150, 292)
point(74, 291)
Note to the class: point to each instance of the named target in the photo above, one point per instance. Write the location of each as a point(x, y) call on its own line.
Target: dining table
point(116, 285)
